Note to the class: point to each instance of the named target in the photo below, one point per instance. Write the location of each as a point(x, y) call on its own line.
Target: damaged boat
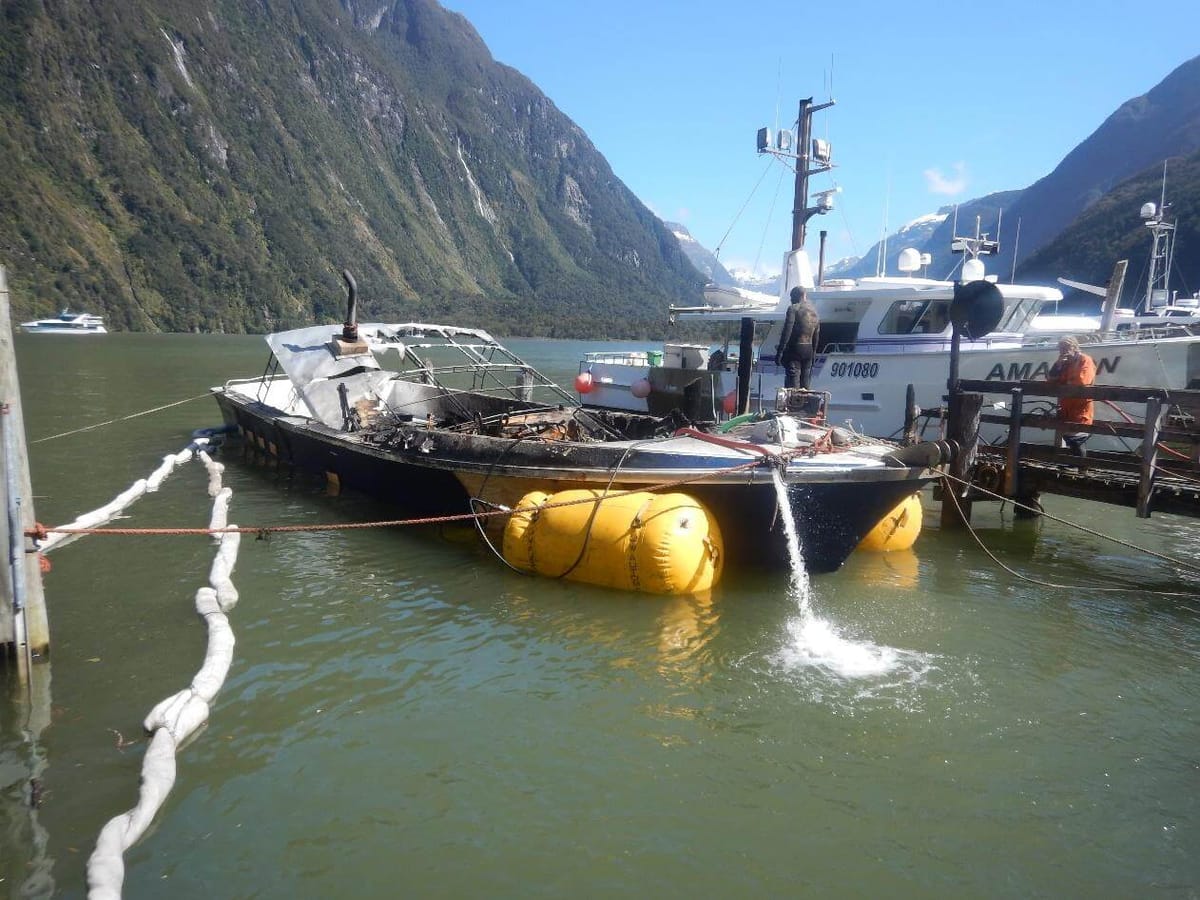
point(445, 420)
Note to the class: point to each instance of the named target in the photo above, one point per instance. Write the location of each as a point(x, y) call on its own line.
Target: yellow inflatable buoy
point(897, 530)
point(656, 543)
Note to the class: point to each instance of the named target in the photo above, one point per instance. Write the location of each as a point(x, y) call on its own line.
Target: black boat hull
point(831, 516)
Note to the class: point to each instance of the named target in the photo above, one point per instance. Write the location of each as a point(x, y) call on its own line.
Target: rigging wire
point(767, 224)
point(753, 191)
point(1128, 545)
point(144, 412)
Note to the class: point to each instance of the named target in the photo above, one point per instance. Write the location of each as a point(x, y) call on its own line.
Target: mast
point(801, 211)
point(811, 157)
point(1161, 249)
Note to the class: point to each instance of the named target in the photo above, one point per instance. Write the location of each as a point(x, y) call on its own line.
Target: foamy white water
point(816, 642)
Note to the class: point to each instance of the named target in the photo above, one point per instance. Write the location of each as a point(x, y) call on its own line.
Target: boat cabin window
point(1018, 315)
point(841, 335)
point(916, 317)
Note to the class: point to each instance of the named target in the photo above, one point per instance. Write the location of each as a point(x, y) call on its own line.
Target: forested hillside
point(212, 165)
point(1111, 229)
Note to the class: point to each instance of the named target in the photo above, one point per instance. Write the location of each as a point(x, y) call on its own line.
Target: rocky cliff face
point(213, 165)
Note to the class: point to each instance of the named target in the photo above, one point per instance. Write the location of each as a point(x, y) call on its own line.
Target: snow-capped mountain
point(700, 257)
point(755, 281)
point(915, 234)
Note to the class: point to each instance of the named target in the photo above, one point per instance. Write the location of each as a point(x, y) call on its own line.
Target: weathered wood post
point(962, 430)
point(1013, 463)
point(23, 624)
point(1155, 414)
point(911, 411)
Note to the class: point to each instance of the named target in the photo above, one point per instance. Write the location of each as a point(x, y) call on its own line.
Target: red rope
point(40, 531)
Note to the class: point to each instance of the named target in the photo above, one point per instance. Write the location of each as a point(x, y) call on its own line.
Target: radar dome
point(972, 270)
point(1149, 210)
point(910, 260)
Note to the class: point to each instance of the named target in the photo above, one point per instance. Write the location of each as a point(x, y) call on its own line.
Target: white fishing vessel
point(67, 322)
point(878, 336)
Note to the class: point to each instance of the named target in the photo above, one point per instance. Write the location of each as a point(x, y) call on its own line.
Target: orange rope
point(39, 531)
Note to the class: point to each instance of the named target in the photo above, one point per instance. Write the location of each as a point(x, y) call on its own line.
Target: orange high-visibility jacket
point(1080, 370)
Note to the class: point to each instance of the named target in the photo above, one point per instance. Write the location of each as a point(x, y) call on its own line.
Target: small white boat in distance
point(729, 297)
point(67, 322)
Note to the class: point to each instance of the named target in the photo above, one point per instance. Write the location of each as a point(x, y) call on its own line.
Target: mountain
point(933, 234)
point(1165, 122)
point(703, 259)
point(915, 234)
point(1112, 229)
point(213, 165)
point(756, 281)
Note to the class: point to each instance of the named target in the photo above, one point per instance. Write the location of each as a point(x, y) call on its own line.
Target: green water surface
point(406, 717)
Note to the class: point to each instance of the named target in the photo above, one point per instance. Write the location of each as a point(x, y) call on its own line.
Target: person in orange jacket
point(1073, 367)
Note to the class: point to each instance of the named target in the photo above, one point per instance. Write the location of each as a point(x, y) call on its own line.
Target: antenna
point(778, 92)
point(881, 256)
point(1016, 246)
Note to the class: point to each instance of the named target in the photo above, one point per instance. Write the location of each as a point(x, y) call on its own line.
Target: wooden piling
point(962, 429)
point(1156, 414)
point(911, 411)
point(1012, 466)
point(24, 629)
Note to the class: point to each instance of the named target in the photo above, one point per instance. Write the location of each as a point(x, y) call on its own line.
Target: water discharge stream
point(817, 642)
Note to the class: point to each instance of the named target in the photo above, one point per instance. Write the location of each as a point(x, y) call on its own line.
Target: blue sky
point(935, 104)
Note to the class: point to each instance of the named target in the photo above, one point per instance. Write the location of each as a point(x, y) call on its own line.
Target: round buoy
point(584, 383)
point(729, 403)
point(640, 388)
point(897, 530)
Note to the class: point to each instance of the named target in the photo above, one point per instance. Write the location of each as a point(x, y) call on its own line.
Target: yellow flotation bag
point(897, 530)
point(657, 543)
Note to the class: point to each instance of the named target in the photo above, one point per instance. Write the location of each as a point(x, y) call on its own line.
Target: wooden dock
point(1160, 473)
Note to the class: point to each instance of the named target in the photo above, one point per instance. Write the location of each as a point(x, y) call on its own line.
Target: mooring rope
point(1073, 587)
point(75, 529)
point(88, 521)
point(173, 720)
point(144, 412)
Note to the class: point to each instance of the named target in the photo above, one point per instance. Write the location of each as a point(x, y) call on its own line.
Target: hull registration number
point(854, 370)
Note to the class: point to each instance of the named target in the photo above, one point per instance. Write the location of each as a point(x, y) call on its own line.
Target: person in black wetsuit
point(796, 342)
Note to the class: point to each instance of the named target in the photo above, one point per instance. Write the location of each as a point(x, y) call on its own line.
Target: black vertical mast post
point(745, 365)
point(801, 211)
point(821, 259)
point(800, 204)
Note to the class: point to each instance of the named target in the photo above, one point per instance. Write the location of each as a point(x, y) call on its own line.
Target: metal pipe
point(350, 326)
